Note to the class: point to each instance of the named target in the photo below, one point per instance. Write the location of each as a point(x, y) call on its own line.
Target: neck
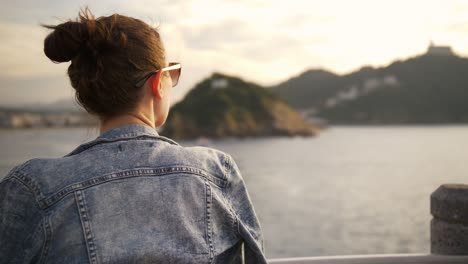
point(125, 119)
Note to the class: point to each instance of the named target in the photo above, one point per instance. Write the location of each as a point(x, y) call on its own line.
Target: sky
point(263, 41)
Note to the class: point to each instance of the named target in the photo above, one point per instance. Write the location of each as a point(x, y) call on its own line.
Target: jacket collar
point(131, 131)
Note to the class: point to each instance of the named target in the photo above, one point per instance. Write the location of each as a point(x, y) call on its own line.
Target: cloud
point(21, 50)
point(35, 89)
point(218, 35)
point(259, 40)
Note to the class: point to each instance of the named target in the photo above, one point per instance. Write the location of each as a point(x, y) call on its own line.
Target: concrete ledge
point(377, 259)
point(449, 238)
point(450, 203)
point(449, 227)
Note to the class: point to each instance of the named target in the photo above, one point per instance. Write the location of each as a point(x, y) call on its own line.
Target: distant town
point(37, 119)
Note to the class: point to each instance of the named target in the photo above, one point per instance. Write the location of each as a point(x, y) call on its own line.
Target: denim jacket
point(129, 196)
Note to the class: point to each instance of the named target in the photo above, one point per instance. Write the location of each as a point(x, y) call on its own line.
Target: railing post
point(449, 225)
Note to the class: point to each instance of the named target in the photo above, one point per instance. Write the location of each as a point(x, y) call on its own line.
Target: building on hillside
point(220, 83)
point(439, 50)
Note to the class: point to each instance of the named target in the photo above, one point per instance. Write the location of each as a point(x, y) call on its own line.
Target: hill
point(223, 106)
point(425, 89)
point(309, 88)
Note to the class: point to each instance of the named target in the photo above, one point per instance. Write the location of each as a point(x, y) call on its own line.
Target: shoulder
point(207, 154)
point(213, 161)
point(22, 174)
point(18, 180)
point(19, 172)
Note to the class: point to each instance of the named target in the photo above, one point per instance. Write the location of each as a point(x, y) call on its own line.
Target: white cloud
point(261, 41)
point(21, 50)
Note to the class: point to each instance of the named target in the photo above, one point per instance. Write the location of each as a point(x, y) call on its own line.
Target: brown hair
point(108, 55)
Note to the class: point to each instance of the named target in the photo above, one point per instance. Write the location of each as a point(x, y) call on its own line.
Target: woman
point(130, 195)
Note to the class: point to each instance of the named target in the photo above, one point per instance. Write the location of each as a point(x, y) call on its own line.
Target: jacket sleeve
point(21, 231)
point(248, 226)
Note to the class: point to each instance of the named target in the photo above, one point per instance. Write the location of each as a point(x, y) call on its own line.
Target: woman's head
point(108, 56)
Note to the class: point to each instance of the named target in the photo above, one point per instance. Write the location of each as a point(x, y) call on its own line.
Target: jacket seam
point(47, 237)
point(235, 218)
point(86, 226)
point(34, 191)
point(209, 227)
point(227, 166)
point(142, 172)
point(233, 213)
point(20, 175)
point(24, 184)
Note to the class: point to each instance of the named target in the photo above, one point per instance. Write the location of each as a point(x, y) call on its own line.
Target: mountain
point(426, 89)
point(309, 88)
point(222, 105)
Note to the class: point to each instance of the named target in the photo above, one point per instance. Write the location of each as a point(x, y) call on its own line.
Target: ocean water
point(352, 190)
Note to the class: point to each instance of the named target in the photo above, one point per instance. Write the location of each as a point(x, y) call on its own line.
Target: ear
point(155, 84)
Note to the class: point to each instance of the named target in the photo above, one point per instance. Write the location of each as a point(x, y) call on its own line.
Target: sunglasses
point(174, 70)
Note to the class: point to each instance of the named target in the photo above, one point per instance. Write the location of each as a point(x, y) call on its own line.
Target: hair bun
point(65, 42)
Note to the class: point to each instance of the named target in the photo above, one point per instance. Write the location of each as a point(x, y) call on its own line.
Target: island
point(226, 106)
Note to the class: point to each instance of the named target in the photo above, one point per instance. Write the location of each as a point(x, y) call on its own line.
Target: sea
point(350, 190)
